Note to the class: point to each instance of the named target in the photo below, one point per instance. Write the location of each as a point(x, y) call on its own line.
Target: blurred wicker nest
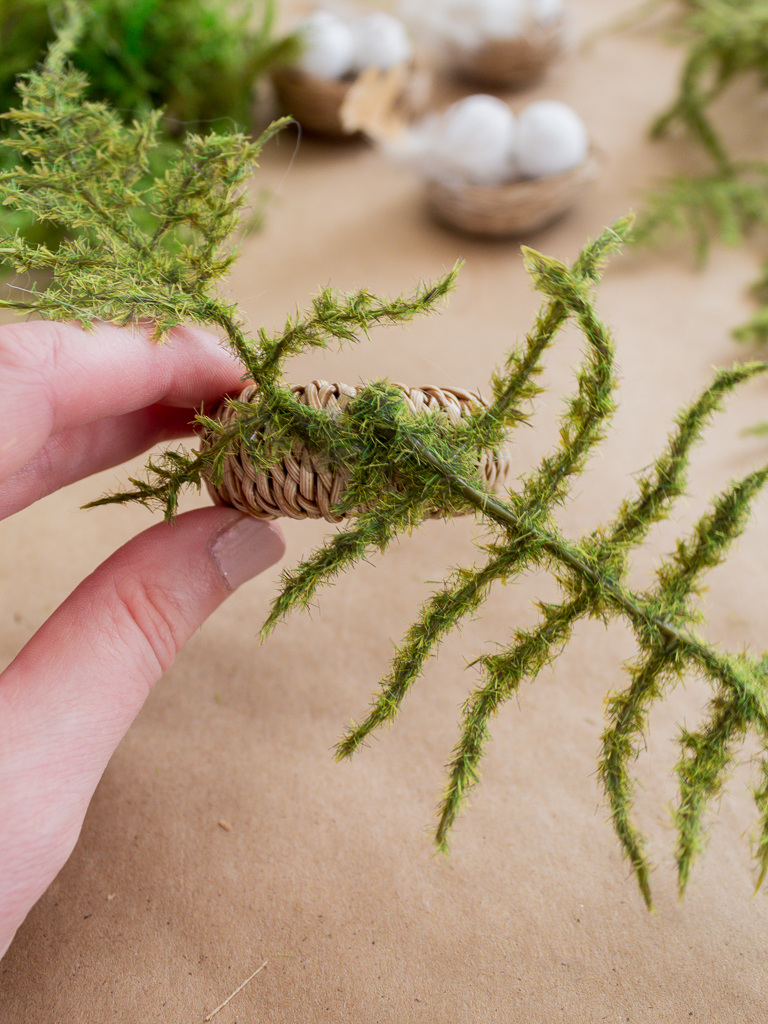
point(515, 62)
point(317, 103)
point(314, 102)
point(511, 208)
point(302, 485)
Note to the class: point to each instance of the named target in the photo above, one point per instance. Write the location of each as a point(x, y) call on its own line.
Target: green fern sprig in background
point(194, 62)
point(198, 60)
point(726, 43)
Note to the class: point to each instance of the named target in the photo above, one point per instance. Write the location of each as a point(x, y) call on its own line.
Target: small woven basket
point(512, 208)
point(515, 62)
point(317, 103)
point(314, 102)
point(302, 486)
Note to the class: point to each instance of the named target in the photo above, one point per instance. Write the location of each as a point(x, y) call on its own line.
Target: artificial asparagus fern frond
point(756, 329)
point(725, 41)
point(85, 170)
point(592, 574)
point(401, 467)
point(197, 59)
point(725, 206)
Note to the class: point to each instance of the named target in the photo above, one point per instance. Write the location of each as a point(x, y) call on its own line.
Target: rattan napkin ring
point(301, 486)
point(511, 208)
point(516, 61)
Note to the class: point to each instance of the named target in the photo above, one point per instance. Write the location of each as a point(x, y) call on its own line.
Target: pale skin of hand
point(75, 403)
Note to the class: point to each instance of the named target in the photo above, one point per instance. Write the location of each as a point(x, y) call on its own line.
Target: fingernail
point(245, 548)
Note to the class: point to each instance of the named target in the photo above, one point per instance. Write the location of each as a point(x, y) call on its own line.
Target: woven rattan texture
point(512, 208)
point(318, 103)
point(514, 62)
point(314, 102)
point(302, 486)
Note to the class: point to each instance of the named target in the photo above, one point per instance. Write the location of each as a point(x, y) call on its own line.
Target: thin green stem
point(490, 506)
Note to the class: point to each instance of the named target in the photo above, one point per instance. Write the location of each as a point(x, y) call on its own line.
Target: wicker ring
point(512, 208)
point(318, 104)
point(302, 486)
point(314, 102)
point(513, 62)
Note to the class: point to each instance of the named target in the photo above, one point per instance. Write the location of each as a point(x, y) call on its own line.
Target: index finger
point(56, 376)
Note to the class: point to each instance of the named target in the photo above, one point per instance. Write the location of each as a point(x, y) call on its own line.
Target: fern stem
point(438, 616)
point(713, 664)
point(504, 674)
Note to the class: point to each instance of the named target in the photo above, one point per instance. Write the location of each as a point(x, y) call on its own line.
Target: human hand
point(73, 404)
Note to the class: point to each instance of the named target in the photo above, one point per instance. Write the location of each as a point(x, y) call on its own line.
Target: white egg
point(546, 10)
point(327, 46)
point(474, 141)
point(503, 19)
point(470, 23)
point(551, 138)
point(440, 21)
point(380, 41)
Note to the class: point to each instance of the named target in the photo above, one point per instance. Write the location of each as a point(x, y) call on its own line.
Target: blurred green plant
point(197, 61)
point(725, 43)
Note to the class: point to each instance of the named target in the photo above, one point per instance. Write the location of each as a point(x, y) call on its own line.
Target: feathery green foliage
point(726, 42)
point(197, 59)
point(84, 169)
point(756, 329)
point(724, 206)
point(193, 61)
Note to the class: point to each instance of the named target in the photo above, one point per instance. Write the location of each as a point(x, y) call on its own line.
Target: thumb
point(72, 692)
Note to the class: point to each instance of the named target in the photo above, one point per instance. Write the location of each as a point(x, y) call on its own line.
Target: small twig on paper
point(240, 988)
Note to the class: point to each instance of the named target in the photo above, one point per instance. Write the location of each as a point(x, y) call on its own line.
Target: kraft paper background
point(328, 872)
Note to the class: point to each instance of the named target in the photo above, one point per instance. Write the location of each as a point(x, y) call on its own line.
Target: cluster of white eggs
point(480, 141)
point(470, 23)
point(335, 46)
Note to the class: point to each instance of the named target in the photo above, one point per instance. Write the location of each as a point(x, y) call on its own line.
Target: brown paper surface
point(328, 872)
